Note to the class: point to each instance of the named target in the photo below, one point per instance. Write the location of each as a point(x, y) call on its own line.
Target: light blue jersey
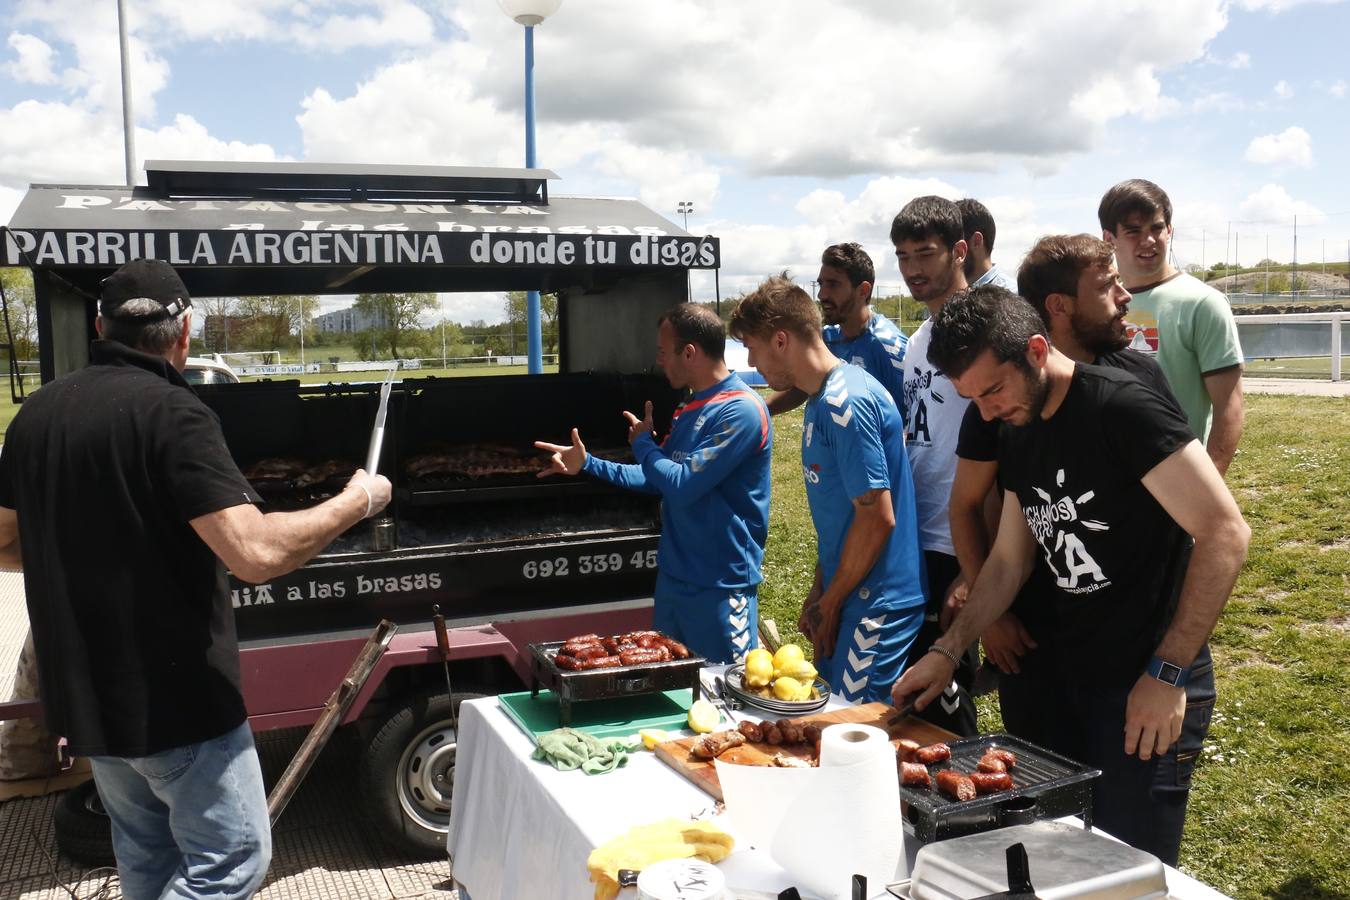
point(879, 349)
point(851, 444)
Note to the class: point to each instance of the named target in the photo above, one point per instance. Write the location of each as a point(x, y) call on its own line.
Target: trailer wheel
point(83, 829)
point(409, 770)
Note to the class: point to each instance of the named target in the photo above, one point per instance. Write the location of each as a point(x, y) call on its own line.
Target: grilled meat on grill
point(276, 468)
point(318, 474)
point(474, 461)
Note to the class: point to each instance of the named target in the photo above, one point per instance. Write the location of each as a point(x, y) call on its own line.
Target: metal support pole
point(533, 317)
point(1336, 346)
point(128, 132)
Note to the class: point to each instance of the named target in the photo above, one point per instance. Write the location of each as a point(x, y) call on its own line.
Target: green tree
point(22, 307)
point(269, 321)
point(548, 314)
point(398, 319)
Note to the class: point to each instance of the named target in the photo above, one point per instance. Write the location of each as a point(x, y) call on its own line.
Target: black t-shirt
point(979, 442)
point(1112, 555)
point(130, 610)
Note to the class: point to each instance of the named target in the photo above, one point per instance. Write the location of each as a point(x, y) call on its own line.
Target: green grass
point(1295, 367)
point(1270, 809)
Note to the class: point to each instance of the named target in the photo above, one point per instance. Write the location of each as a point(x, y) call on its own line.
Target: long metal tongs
point(377, 433)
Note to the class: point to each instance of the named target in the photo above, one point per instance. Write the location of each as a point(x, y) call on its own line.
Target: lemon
point(801, 670)
point(787, 656)
point(788, 688)
point(703, 716)
point(652, 736)
point(758, 668)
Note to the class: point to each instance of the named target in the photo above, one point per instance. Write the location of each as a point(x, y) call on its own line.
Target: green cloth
point(569, 749)
point(1191, 327)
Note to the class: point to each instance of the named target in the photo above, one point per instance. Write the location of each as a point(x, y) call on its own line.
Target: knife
point(903, 711)
point(377, 433)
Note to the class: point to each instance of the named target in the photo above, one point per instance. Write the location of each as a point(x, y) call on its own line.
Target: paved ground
point(324, 848)
point(1299, 386)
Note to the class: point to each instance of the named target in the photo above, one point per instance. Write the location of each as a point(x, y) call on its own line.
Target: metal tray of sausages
point(1046, 785)
point(607, 684)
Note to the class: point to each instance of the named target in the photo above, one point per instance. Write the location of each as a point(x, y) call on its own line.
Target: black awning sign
point(103, 249)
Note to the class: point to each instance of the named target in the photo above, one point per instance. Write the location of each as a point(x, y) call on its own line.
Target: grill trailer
point(510, 559)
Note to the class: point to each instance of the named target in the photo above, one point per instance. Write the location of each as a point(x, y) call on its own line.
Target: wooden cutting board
point(704, 774)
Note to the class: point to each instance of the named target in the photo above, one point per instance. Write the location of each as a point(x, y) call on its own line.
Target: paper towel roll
point(824, 825)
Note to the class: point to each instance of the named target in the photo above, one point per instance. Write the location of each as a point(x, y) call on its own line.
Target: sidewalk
point(322, 846)
point(1295, 386)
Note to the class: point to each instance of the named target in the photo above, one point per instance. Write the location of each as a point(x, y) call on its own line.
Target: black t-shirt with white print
point(1111, 555)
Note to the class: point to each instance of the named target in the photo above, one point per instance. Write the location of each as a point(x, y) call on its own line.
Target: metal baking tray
point(1064, 863)
point(607, 684)
point(1046, 785)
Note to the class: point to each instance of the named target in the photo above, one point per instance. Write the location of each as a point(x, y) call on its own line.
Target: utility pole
point(1202, 252)
point(128, 129)
point(1293, 272)
point(1267, 291)
point(1227, 240)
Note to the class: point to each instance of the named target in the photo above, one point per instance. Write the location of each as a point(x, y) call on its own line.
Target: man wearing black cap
point(119, 500)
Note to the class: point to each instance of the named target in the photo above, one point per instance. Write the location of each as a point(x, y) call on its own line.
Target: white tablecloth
point(521, 829)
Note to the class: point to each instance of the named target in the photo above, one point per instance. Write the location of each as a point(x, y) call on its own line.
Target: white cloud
point(1283, 90)
point(1239, 60)
point(1218, 101)
point(1277, 6)
point(1273, 205)
point(1337, 88)
point(34, 63)
point(1293, 146)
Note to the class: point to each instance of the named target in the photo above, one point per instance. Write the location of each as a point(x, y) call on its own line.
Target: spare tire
point(83, 829)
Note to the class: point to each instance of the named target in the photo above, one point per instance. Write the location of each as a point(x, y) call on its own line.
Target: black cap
point(145, 279)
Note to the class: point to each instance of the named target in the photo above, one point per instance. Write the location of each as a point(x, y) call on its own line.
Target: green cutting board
point(603, 718)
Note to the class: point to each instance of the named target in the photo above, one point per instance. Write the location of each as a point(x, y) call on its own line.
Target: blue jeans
point(190, 822)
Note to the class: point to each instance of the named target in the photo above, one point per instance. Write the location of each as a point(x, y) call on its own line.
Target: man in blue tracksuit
point(867, 603)
point(712, 473)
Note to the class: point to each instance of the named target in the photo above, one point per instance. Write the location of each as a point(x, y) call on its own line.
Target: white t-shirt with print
point(933, 412)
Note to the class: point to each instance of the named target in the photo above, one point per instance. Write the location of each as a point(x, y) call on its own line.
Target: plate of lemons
point(784, 682)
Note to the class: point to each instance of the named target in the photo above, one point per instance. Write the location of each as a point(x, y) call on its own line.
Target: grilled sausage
point(771, 733)
point(914, 775)
point(582, 639)
point(564, 661)
point(991, 763)
point(648, 641)
point(933, 753)
point(955, 785)
point(592, 651)
point(791, 731)
point(600, 662)
point(637, 636)
point(811, 733)
point(1009, 758)
point(991, 782)
point(710, 746)
point(677, 650)
point(638, 656)
point(751, 730)
point(905, 749)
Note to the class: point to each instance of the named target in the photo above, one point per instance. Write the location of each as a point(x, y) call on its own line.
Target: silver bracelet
point(936, 648)
point(370, 499)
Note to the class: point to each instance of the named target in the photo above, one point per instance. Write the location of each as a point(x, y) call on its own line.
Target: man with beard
point(1099, 472)
point(1186, 322)
point(853, 332)
point(712, 472)
point(978, 224)
point(1073, 283)
point(866, 602)
point(930, 246)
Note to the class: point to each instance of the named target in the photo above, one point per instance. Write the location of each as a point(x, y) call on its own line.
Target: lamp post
point(531, 13)
point(685, 208)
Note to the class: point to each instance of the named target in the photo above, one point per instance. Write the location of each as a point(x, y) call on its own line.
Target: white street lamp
point(531, 13)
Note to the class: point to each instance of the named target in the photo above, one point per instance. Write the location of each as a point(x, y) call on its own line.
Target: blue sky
point(789, 124)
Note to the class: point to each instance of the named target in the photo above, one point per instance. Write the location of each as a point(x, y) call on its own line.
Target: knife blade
point(902, 712)
point(377, 433)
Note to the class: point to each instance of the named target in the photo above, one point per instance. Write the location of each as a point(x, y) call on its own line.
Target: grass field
point(1270, 810)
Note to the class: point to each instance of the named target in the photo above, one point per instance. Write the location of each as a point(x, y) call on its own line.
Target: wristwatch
point(1168, 673)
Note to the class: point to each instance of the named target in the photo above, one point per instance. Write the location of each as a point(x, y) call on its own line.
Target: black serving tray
point(1046, 785)
point(607, 684)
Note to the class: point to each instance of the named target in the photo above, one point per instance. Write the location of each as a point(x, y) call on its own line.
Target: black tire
point(83, 829)
point(408, 771)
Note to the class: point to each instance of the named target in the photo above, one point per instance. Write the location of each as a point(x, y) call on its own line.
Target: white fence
point(1289, 335)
